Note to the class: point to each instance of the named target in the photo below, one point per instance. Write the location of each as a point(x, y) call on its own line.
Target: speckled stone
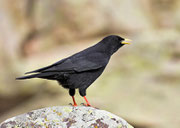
point(66, 117)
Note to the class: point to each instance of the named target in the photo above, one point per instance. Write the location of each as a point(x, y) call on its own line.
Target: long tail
point(45, 75)
point(27, 77)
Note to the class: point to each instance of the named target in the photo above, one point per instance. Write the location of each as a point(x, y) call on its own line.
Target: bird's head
point(114, 42)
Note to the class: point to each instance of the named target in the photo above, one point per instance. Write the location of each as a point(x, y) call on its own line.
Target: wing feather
point(76, 63)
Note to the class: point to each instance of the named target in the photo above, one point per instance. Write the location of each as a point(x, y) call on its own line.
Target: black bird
point(80, 70)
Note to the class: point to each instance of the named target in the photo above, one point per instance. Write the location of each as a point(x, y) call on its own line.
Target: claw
point(82, 104)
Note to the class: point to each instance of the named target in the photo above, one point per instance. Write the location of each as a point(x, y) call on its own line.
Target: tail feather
point(27, 77)
point(45, 75)
point(38, 70)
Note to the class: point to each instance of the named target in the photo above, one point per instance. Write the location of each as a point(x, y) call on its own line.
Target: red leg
point(74, 101)
point(88, 104)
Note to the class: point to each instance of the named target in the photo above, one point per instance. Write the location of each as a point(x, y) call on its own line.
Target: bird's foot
point(88, 105)
point(74, 105)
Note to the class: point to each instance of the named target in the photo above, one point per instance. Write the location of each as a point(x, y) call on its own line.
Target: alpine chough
point(80, 70)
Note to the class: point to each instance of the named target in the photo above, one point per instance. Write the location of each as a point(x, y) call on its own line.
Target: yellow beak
point(126, 41)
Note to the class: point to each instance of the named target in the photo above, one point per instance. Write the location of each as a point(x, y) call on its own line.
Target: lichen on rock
point(67, 117)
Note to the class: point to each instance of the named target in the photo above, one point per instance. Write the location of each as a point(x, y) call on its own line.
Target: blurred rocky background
point(141, 82)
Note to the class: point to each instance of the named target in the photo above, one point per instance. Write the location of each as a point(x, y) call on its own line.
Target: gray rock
point(66, 117)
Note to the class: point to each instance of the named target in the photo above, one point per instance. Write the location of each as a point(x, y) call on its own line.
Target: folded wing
point(76, 64)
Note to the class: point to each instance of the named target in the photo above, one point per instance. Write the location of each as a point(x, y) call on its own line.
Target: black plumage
point(80, 70)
